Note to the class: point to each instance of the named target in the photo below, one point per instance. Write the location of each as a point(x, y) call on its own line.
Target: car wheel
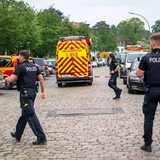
point(59, 84)
point(8, 85)
point(127, 85)
point(89, 83)
point(124, 81)
point(130, 90)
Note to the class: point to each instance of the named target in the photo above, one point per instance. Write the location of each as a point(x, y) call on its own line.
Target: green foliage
point(156, 27)
point(22, 27)
point(105, 39)
point(131, 30)
point(48, 22)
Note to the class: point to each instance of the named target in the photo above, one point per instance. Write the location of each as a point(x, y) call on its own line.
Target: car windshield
point(135, 65)
point(40, 61)
point(50, 62)
point(132, 56)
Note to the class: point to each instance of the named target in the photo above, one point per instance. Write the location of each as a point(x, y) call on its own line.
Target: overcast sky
point(110, 11)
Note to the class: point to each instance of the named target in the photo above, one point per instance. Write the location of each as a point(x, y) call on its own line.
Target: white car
point(94, 64)
point(2, 82)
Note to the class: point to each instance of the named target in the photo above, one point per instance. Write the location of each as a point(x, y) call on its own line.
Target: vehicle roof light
point(71, 38)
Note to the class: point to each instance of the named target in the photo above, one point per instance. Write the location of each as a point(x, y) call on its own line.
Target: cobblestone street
point(81, 123)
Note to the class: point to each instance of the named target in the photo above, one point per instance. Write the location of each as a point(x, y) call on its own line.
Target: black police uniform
point(27, 73)
point(150, 63)
point(112, 83)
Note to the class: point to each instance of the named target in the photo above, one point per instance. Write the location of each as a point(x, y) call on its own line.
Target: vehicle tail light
point(90, 68)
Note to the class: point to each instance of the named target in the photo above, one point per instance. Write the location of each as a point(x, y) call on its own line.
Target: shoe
point(146, 148)
point(14, 136)
point(116, 97)
point(119, 94)
point(39, 142)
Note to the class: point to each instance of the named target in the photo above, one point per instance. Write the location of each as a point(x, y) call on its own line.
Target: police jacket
point(27, 73)
point(150, 63)
point(113, 65)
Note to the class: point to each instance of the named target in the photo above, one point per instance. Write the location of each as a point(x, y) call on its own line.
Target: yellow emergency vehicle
point(8, 64)
point(73, 60)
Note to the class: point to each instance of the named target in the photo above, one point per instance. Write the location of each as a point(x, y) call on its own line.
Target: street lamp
point(143, 18)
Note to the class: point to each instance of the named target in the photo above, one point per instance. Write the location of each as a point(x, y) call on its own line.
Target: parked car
point(100, 62)
point(94, 64)
point(51, 62)
point(129, 58)
point(133, 82)
point(42, 64)
point(51, 71)
point(2, 82)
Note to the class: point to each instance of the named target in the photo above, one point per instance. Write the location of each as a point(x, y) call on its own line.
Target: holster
point(146, 88)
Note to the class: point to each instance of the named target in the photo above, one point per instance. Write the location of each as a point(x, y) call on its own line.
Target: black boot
point(116, 97)
point(14, 136)
point(119, 93)
point(146, 148)
point(44, 142)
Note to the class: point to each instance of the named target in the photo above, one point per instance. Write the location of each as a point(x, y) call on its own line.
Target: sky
point(110, 11)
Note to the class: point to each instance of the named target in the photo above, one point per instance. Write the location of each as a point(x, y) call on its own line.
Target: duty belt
point(27, 89)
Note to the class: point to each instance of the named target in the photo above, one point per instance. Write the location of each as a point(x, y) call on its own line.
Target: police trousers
point(27, 97)
point(151, 99)
point(112, 83)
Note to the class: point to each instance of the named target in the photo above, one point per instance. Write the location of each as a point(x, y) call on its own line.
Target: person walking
point(149, 67)
point(112, 83)
point(26, 75)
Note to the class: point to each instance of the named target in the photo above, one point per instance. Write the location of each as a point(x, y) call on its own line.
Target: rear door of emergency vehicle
point(73, 61)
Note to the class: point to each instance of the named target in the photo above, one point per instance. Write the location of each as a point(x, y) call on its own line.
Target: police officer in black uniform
point(149, 67)
point(112, 83)
point(26, 75)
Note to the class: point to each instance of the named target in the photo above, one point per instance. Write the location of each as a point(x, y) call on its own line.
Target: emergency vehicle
point(131, 53)
point(73, 60)
point(7, 66)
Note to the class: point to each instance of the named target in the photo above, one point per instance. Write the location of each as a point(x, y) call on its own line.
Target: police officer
point(112, 83)
point(26, 75)
point(149, 68)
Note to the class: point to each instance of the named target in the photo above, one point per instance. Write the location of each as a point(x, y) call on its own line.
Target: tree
point(49, 23)
point(83, 29)
point(105, 39)
point(156, 27)
point(114, 30)
point(27, 27)
point(8, 25)
point(17, 27)
point(131, 30)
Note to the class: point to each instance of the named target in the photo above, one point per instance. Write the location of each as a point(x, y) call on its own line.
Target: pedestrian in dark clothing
point(112, 83)
point(26, 75)
point(149, 67)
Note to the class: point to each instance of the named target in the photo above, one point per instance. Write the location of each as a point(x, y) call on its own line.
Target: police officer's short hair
point(155, 36)
point(24, 53)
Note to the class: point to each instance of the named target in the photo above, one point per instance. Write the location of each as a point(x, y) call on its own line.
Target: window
point(6, 62)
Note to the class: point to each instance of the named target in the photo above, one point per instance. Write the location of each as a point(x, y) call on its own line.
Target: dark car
point(42, 64)
point(121, 58)
point(51, 63)
point(133, 82)
point(129, 58)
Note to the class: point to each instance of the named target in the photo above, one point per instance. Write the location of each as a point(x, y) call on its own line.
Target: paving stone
point(95, 129)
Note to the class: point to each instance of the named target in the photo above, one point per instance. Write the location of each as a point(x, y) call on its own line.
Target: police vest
point(29, 76)
point(152, 74)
